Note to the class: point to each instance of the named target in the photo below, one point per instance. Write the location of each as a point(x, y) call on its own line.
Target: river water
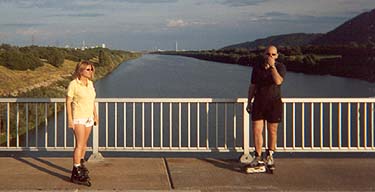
point(176, 76)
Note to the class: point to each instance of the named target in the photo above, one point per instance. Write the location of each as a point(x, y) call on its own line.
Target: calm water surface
point(176, 76)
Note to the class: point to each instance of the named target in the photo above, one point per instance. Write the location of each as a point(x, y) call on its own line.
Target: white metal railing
point(335, 124)
point(189, 124)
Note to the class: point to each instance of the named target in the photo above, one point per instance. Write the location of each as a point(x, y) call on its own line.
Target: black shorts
point(271, 110)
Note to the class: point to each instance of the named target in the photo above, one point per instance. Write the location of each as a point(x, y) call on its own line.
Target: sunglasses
point(91, 69)
point(271, 54)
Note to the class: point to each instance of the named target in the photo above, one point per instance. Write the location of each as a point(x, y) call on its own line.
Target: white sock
point(271, 152)
point(77, 165)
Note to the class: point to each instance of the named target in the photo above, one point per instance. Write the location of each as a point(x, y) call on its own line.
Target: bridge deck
point(193, 174)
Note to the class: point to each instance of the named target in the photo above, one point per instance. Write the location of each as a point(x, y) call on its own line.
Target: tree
point(104, 58)
point(14, 59)
point(55, 57)
point(310, 60)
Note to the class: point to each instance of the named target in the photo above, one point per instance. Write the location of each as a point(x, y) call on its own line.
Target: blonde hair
point(81, 66)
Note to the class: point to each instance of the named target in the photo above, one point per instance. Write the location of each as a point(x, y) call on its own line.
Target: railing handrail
point(193, 100)
point(307, 121)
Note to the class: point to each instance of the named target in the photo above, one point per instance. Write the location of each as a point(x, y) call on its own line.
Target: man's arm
point(277, 78)
point(250, 96)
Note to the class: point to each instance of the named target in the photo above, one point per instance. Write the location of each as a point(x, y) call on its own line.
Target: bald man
point(265, 88)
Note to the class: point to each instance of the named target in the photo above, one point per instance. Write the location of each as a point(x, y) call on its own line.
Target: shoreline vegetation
point(43, 72)
point(351, 61)
point(50, 75)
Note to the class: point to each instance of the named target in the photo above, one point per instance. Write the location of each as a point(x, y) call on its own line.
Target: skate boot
point(78, 177)
point(85, 171)
point(256, 166)
point(270, 161)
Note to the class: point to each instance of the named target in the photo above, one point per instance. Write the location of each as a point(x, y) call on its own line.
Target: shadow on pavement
point(233, 165)
point(52, 165)
point(46, 170)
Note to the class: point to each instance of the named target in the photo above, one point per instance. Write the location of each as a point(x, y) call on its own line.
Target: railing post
point(96, 155)
point(246, 158)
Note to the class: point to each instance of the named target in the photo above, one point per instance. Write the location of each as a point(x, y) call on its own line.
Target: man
point(266, 80)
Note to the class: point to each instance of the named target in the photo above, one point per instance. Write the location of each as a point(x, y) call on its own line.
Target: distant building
point(103, 45)
point(83, 46)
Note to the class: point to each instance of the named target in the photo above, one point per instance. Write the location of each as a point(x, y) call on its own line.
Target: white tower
point(83, 45)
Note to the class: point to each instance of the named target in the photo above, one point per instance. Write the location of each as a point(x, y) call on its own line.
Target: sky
point(159, 24)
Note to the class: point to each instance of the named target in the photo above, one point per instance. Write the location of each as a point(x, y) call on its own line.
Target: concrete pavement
point(188, 174)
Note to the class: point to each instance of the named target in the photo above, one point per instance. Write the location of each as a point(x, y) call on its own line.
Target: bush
point(55, 57)
point(14, 59)
point(104, 58)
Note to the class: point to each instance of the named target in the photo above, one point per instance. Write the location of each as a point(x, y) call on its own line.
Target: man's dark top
point(265, 87)
point(267, 98)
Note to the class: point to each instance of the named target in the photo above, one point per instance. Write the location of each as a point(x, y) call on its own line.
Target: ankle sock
point(270, 152)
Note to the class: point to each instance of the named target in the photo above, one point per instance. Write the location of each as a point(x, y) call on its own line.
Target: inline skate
point(78, 176)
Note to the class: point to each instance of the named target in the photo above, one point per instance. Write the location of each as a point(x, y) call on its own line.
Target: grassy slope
point(14, 81)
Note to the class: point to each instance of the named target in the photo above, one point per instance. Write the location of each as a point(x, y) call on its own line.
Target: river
point(176, 76)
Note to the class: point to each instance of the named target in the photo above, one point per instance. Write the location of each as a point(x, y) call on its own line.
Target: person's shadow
point(230, 164)
point(44, 169)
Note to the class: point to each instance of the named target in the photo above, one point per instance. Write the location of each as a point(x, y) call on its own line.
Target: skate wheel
point(249, 170)
point(270, 171)
point(89, 184)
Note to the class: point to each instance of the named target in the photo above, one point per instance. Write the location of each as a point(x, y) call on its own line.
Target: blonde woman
point(81, 116)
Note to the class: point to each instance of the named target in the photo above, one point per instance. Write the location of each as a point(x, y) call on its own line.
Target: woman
point(80, 104)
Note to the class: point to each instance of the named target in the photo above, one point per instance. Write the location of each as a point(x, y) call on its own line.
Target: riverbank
point(51, 81)
point(349, 62)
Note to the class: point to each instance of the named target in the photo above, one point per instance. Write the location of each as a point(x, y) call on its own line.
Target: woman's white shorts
point(87, 122)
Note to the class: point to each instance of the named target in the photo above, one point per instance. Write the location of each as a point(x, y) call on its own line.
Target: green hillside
point(45, 71)
point(295, 39)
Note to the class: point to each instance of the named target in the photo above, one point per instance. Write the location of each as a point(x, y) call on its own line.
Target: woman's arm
point(69, 101)
point(96, 118)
